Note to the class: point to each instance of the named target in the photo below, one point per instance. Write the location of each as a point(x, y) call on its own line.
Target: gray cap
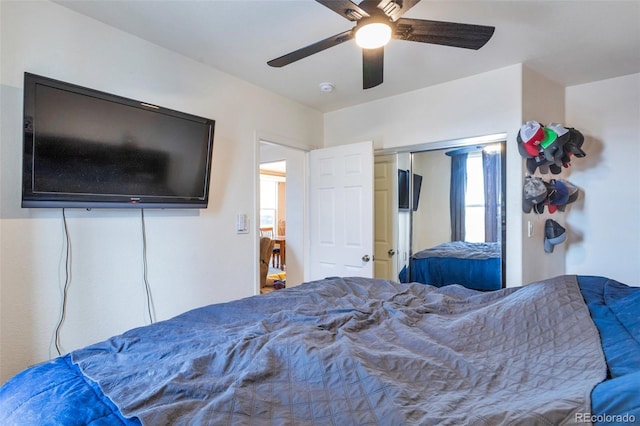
point(534, 191)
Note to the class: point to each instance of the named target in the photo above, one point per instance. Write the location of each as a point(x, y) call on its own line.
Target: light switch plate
point(242, 224)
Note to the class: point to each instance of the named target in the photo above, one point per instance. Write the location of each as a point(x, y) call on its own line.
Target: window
point(268, 202)
point(273, 196)
point(474, 199)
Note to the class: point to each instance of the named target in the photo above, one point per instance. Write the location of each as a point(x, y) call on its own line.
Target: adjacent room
point(273, 228)
point(240, 212)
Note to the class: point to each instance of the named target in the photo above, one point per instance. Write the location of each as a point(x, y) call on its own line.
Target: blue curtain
point(491, 165)
point(457, 194)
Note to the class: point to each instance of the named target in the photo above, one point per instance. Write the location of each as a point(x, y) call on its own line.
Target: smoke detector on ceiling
point(327, 87)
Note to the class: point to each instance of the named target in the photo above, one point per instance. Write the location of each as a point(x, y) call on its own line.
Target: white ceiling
point(570, 42)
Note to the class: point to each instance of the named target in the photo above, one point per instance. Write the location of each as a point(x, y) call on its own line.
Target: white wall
point(604, 223)
point(195, 257)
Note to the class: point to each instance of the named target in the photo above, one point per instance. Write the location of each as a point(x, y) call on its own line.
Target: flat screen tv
point(86, 148)
point(403, 189)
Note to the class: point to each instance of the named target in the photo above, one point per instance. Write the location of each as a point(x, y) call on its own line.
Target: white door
point(386, 217)
point(341, 211)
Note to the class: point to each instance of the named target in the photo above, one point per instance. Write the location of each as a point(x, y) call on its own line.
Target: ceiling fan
point(377, 22)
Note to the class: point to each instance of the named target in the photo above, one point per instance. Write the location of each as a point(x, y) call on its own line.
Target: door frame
point(297, 227)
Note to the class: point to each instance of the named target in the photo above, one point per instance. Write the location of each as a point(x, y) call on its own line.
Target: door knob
point(391, 252)
point(366, 258)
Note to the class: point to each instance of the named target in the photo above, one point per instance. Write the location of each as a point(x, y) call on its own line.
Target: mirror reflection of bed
point(452, 231)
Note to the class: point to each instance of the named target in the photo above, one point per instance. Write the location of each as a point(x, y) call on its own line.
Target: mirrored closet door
point(447, 212)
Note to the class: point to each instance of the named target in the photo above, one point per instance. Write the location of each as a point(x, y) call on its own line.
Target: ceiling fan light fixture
point(373, 35)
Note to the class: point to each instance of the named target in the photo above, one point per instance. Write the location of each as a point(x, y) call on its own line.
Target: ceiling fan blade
point(311, 49)
point(345, 8)
point(372, 67)
point(468, 36)
point(394, 9)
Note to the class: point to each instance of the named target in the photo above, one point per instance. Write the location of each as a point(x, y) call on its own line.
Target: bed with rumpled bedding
point(346, 351)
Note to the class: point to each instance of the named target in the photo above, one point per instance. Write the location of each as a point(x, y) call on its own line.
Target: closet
point(440, 213)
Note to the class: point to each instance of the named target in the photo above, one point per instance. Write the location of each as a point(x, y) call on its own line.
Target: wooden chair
point(276, 260)
point(266, 249)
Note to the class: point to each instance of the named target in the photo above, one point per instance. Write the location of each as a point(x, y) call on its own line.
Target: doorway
point(273, 219)
point(285, 174)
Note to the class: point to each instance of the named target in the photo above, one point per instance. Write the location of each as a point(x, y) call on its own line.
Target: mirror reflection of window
point(474, 200)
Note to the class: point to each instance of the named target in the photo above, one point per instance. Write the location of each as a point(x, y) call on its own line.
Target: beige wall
point(432, 221)
point(543, 101)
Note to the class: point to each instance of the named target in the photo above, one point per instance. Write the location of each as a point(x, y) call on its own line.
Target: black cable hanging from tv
point(145, 267)
point(67, 282)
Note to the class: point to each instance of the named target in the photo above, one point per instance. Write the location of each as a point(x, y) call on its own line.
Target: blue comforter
point(57, 393)
point(234, 363)
point(615, 309)
point(474, 265)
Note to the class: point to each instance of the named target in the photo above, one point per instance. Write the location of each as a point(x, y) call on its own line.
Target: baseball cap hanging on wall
point(549, 148)
point(534, 192)
point(573, 191)
point(554, 234)
point(556, 194)
point(529, 137)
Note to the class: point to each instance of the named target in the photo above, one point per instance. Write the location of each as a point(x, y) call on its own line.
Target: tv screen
point(403, 189)
point(86, 148)
point(417, 186)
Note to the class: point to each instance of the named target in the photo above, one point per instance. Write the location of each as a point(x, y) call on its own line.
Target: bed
point(345, 351)
point(473, 265)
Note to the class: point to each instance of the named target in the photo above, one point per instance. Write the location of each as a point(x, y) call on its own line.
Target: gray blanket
point(462, 250)
point(357, 351)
